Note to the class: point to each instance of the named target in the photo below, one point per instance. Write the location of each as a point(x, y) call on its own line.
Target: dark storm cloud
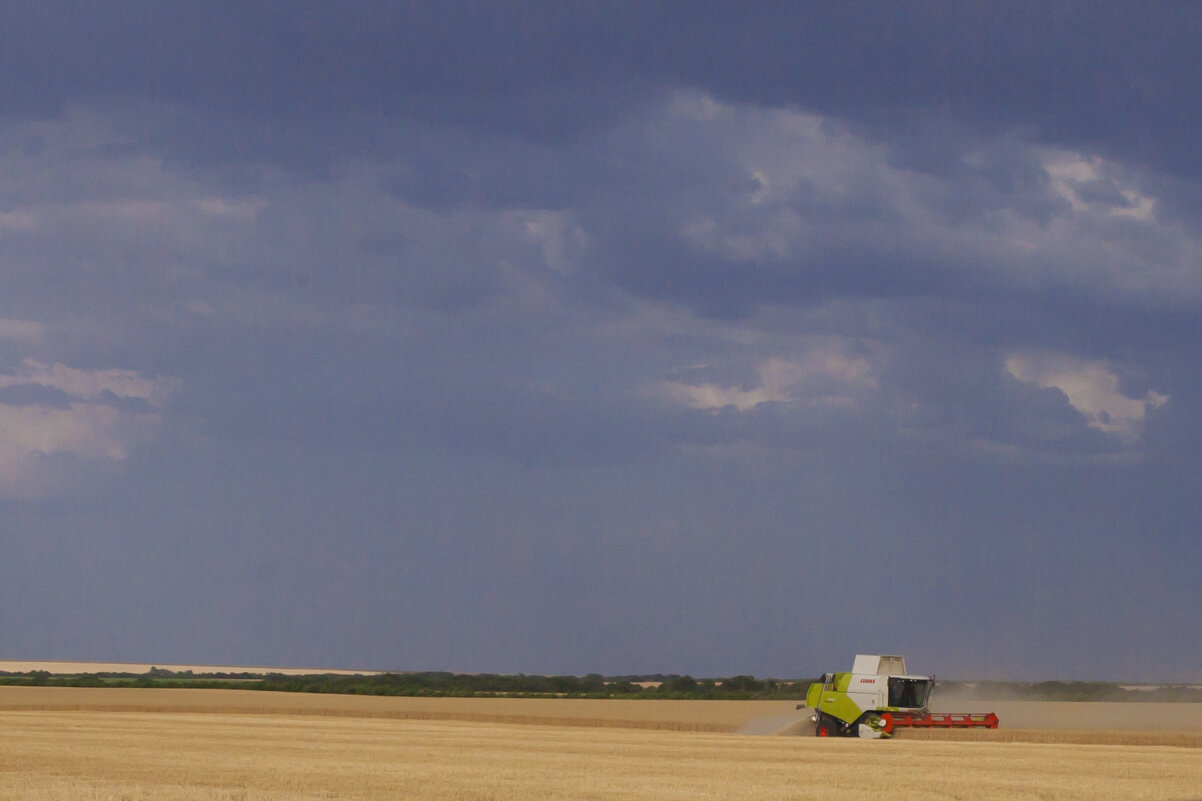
point(290, 84)
point(457, 167)
point(1097, 75)
point(747, 207)
point(562, 336)
point(727, 210)
point(34, 395)
point(502, 68)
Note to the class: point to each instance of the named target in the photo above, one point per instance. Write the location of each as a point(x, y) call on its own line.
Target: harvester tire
point(825, 727)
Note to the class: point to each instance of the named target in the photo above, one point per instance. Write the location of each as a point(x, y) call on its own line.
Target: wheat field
point(70, 745)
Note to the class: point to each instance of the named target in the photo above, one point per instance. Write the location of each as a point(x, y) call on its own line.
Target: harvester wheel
point(825, 727)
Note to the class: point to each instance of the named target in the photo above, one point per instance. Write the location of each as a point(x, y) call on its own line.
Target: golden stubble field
point(140, 745)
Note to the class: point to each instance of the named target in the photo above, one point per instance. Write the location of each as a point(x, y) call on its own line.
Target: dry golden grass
point(718, 716)
point(1022, 721)
point(1177, 739)
point(171, 756)
point(1131, 716)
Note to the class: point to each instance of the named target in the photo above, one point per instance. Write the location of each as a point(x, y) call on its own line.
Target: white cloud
point(18, 221)
point(786, 192)
point(1072, 173)
point(245, 209)
point(555, 236)
point(763, 188)
point(714, 396)
point(824, 376)
point(1091, 387)
point(83, 425)
point(698, 107)
point(91, 384)
point(21, 330)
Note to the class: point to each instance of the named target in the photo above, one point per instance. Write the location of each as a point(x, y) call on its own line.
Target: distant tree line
point(674, 686)
point(477, 685)
point(437, 684)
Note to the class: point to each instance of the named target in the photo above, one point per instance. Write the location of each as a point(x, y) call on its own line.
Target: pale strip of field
point(1133, 715)
point(1177, 739)
point(73, 668)
point(1022, 721)
point(126, 756)
point(1083, 723)
point(645, 714)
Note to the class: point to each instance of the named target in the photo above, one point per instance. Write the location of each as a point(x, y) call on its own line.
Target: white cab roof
point(880, 665)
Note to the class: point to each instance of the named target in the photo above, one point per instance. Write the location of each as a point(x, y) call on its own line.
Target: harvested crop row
point(84, 756)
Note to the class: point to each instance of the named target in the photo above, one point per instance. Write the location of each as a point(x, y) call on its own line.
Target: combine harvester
point(876, 698)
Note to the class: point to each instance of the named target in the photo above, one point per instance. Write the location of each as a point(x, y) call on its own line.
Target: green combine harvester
point(878, 697)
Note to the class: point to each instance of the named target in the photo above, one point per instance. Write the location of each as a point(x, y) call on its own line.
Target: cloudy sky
point(569, 337)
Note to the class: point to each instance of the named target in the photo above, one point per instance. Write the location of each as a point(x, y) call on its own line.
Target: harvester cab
point(877, 697)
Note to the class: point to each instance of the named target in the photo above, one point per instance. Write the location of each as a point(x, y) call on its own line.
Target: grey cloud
point(34, 395)
point(424, 272)
point(449, 167)
point(631, 198)
point(856, 225)
point(284, 260)
point(961, 398)
point(472, 419)
point(1101, 75)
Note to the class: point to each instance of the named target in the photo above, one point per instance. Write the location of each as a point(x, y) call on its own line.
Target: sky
point(567, 337)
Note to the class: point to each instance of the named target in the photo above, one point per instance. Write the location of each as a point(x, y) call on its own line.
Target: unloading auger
point(877, 697)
